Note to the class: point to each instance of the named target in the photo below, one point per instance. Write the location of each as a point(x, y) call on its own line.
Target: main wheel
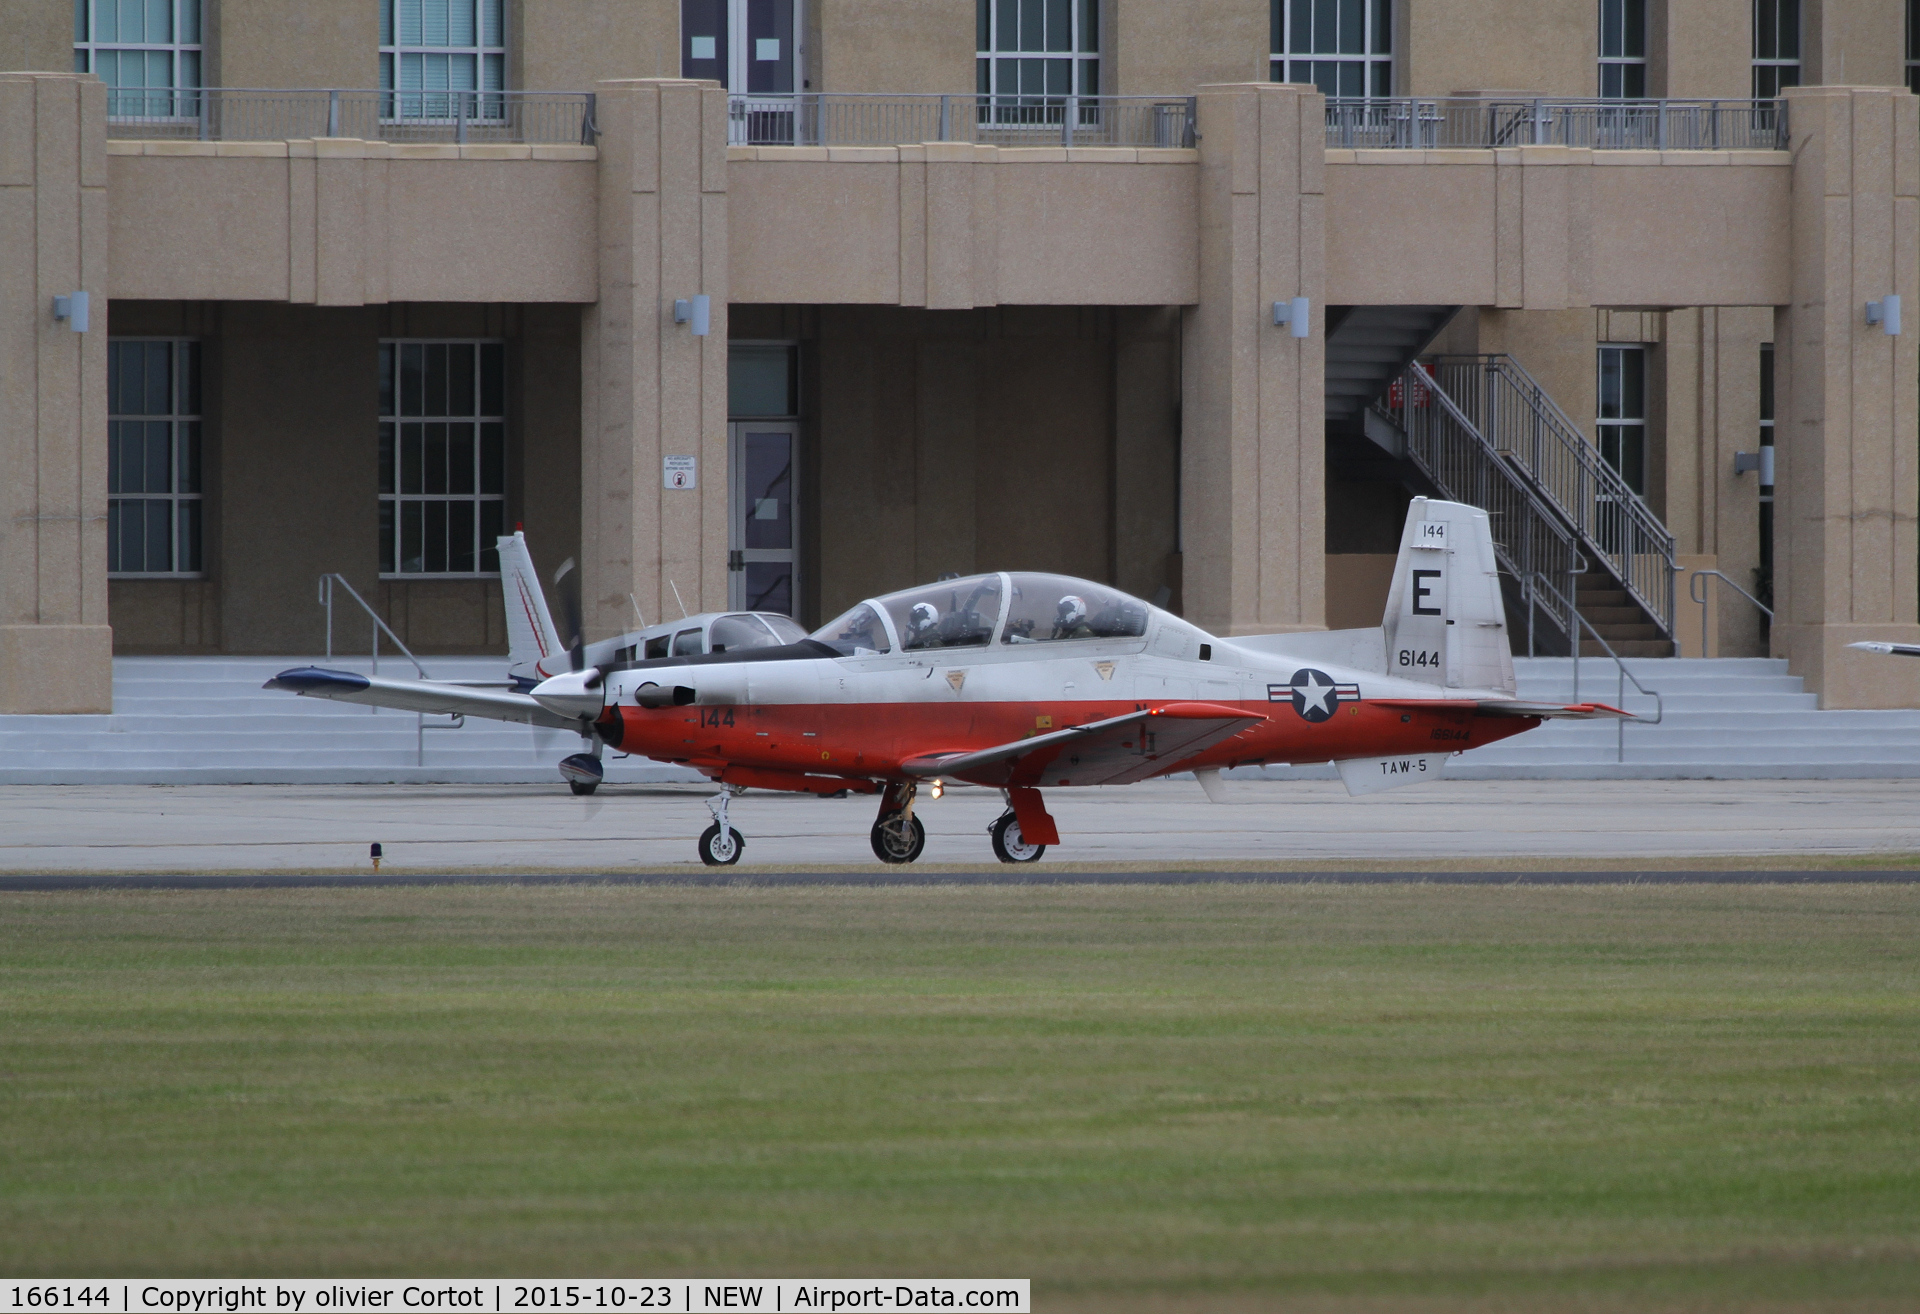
point(716, 851)
point(895, 841)
point(1008, 846)
point(583, 786)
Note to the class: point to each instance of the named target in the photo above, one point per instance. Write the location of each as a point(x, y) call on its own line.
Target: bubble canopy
point(981, 611)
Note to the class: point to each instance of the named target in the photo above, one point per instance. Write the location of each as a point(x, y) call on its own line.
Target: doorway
point(763, 535)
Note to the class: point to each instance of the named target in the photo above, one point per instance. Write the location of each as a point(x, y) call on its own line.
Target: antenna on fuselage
point(638, 615)
point(676, 597)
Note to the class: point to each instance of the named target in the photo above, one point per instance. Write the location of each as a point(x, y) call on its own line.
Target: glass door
point(762, 532)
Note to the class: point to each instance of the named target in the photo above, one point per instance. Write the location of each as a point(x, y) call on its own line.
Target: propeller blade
point(567, 581)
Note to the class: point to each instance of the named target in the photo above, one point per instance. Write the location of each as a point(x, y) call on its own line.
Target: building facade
point(1127, 289)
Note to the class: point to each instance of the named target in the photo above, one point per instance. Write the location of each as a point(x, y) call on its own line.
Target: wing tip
point(307, 679)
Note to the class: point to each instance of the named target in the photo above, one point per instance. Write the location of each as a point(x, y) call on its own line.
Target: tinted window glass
point(958, 613)
point(860, 630)
point(1051, 607)
point(687, 644)
point(731, 633)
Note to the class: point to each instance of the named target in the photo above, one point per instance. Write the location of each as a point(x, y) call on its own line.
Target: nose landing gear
point(898, 836)
point(720, 843)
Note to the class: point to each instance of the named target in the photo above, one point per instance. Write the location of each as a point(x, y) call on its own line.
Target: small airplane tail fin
point(534, 651)
point(1446, 621)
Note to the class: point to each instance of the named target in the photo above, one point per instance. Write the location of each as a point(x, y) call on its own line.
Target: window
point(1047, 607)
point(443, 460)
point(1343, 47)
point(1913, 46)
point(1622, 427)
point(1623, 49)
point(153, 456)
point(1765, 589)
point(441, 45)
point(1037, 48)
point(1776, 47)
point(146, 51)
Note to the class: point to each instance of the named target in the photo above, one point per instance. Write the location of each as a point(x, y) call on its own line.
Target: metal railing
point(1530, 541)
point(249, 114)
point(1625, 675)
point(1611, 521)
point(812, 118)
point(1699, 595)
point(1461, 122)
point(331, 581)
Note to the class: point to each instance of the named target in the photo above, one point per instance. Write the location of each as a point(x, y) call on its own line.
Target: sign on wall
point(680, 471)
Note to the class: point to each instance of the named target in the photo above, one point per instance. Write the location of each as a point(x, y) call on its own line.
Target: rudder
point(533, 645)
point(1446, 622)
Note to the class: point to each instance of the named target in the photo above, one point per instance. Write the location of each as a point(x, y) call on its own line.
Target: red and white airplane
point(1024, 681)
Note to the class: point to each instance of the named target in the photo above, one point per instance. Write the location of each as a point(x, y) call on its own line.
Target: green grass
point(1141, 1097)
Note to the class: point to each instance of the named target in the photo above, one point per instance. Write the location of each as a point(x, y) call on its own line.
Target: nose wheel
point(720, 844)
point(898, 836)
point(1009, 845)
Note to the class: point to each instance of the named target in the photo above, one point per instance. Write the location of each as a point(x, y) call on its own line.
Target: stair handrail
point(328, 582)
point(1700, 596)
point(1613, 522)
point(1526, 534)
point(1620, 724)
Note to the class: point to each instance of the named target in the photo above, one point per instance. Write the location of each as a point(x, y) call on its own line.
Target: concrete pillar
point(650, 388)
point(1848, 487)
point(56, 650)
point(1253, 444)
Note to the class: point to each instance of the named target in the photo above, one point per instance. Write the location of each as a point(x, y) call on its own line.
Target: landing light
point(936, 789)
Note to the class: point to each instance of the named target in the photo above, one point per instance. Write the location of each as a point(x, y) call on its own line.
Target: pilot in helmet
point(921, 618)
point(1070, 616)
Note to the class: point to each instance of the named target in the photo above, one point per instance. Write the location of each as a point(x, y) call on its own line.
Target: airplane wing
point(418, 696)
point(1891, 649)
point(1506, 707)
point(1116, 751)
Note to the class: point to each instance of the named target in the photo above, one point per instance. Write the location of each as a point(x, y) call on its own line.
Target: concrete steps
point(206, 720)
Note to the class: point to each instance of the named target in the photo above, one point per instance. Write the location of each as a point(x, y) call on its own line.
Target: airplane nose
point(575, 693)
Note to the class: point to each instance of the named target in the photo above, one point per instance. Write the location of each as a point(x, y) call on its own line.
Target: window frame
point(182, 94)
point(1621, 423)
point(1375, 58)
point(392, 526)
point(1617, 21)
point(1781, 71)
point(188, 428)
point(1913, 46)
point(434, 105)
point(1082, 57)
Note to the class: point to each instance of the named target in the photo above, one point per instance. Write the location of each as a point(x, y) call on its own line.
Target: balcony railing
point(822, 119)
point(1454, 122)
point(244, 114)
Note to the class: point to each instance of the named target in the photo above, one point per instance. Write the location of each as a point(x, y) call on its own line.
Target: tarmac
point(1496, 830)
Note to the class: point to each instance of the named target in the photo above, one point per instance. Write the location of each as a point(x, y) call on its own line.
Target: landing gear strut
point(898, 835)
point(584, 771)
point(721, 844)
point(1008, 844)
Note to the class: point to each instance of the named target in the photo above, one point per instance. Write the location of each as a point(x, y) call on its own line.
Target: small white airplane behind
point(535, 653)
point(1889, 649)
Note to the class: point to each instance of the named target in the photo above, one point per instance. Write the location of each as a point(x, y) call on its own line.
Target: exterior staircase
point(1617, 618)
point(1368, 347)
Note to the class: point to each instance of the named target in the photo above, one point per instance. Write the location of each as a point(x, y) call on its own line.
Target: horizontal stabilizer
point(1506, 707)
point(1116, 751)
point(428, 696)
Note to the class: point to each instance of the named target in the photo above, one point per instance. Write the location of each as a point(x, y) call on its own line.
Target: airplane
point(535, 652)
point(1023, 681)
point(1889, 649)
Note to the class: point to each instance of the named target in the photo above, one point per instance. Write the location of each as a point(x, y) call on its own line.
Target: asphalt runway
point(907, 876)
point(1160, 829)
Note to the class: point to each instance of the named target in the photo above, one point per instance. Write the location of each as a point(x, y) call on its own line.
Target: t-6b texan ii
point(1023, 681)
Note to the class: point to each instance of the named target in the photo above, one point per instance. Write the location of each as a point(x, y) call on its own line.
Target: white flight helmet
point(921, 617)
point(1072, 612)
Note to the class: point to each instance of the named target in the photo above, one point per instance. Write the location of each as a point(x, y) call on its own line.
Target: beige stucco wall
point(36, 34)
point(1700, 48)
point(893, 45)
point(1034, 437)
point(1455, 45)
point(292, 43)
point(343, 222)
point(568, 45)
point(1162, 49)
point(1859, 43)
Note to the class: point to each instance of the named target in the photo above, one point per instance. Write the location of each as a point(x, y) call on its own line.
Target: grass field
point(1141, 1097)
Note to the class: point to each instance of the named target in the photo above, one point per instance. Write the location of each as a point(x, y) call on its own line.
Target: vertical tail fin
point(534, 651)
point(1446, 621)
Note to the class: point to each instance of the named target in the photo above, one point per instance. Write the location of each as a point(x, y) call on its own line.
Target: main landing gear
point(898, 835)
point(1008, 844)
point(720, 843)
